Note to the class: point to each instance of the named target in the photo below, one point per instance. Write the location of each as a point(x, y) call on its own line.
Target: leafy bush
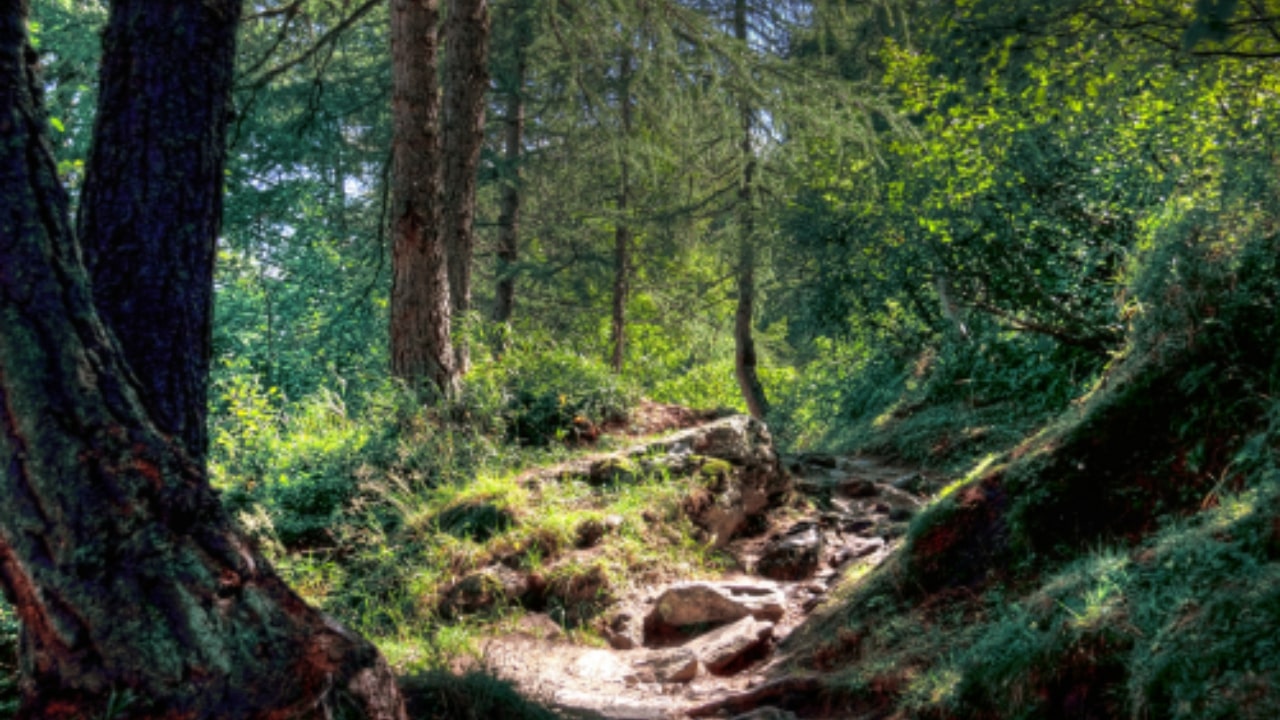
point(8, 660)
point(549, 394)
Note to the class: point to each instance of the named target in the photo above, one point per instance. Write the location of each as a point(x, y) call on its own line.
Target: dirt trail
point(858, 512)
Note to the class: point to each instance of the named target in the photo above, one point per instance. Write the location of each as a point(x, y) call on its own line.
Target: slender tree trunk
point(509, 215)
point(621, 291)
point(744, 356)
point(129, 578)
point(622, 232)
point(151, 206)
point(466, 84)
point(420, 309)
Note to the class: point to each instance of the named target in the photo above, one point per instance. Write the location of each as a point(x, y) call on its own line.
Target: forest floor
point(845, 515)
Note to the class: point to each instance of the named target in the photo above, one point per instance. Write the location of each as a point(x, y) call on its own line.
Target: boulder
point(795, 555)
point(734, 495)
point(704, 603)
point(728, 648)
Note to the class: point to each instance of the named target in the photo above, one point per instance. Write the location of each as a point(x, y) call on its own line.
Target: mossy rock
point(614, 470)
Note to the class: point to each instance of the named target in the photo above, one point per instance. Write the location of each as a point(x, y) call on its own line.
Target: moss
point(712, 471)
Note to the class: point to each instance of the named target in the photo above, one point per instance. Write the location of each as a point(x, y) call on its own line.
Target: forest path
point(849, 515)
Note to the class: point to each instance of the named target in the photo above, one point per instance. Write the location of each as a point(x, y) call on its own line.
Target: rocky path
point(694, 644)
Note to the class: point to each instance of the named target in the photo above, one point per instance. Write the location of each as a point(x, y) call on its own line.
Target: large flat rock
point(707, 603)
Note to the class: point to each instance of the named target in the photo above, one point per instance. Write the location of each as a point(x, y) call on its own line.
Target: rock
point(624, 631)
point(727, 648)
point(539, 625)
point(898, 499)
point(483, 590)
point(856, 549)
point(858, 526)
point(858, 488)
point(766, 713)
point(740, 439)
point(795, 555)
point(911, 482)
point(702, 603)
point(612, 470)
point(599, 666)
point(732, 457)
point(741, 481)
point(677, 665)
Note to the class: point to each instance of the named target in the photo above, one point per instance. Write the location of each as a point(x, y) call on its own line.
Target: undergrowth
point(1122, 560)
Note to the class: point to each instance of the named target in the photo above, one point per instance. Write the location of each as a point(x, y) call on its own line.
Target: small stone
point(858, 488)
point(859, 526)
point(624, 631)
point(678, 665)
point(721, 650)
point(911, 482)
point(794, 556)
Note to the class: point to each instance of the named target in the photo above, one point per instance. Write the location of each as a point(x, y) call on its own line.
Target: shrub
point(550, 394)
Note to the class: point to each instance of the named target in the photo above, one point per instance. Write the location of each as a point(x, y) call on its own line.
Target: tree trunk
point(151, 205)
point(128, 576)
point(621, 290)
point(622, 232)
point(509, 215)
point(420, 325)
point(744, 356)
point(466, 84)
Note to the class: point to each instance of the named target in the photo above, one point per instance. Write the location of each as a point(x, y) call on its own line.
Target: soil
point(860, 506)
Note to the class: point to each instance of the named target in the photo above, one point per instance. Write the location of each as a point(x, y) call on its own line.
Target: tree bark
point(421, 349)
point(744, 356)
point(151, 206)
point(622, 232)
point(466, 84)
point(129, 578)
point(509, 214)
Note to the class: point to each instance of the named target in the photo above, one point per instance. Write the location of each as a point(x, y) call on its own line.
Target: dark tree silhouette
point(129, 578)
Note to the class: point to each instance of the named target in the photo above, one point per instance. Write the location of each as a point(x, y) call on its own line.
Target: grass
point(1122, 560)
point(404, 532)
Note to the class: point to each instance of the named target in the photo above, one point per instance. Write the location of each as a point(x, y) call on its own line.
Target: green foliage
point(299, 468)
point(548, 393)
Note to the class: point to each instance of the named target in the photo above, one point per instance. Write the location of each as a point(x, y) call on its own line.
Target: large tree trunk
point(509, 213)
point(129, 579)
point(151, 205)
point(420, 325)
point(466, 84)
point(744, 356)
